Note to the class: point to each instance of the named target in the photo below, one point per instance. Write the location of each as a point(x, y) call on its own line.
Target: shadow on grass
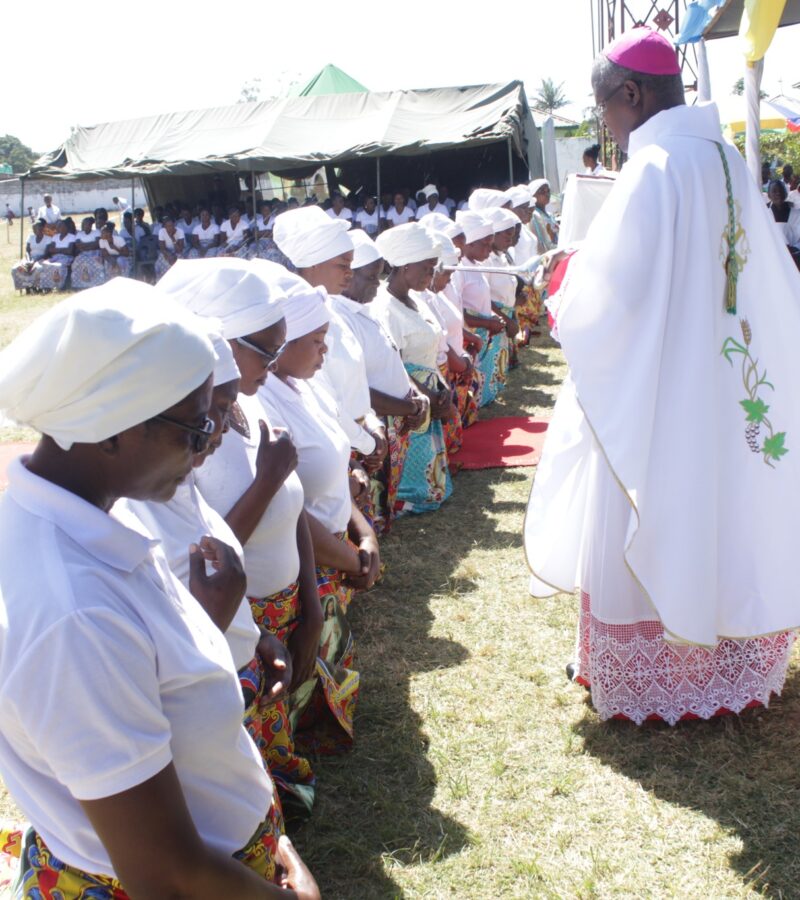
point(740, 771)
point(374, 807)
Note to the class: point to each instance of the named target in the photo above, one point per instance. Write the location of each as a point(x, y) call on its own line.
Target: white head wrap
point(429, 190)
point(365, 251)
point(483, 198)
point(225, 368)
point(519, 195)
point(475, 225)
point(306, 311)
point(103, 361)
point(437, 221)
point(406, 244)
point(449, 254)
point(534, 186)
point(227, 289)
point(309, 236)
point(501, 219)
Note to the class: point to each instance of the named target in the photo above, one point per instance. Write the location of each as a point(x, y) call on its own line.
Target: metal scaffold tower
point(611, 18)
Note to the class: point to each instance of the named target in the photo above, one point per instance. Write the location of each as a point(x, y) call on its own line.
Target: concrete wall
point(69, 196)
point(569, 153)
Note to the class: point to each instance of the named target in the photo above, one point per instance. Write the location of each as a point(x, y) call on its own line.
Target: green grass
point(479, 771)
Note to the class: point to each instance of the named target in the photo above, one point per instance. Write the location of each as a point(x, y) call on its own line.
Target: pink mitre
point(644, 50)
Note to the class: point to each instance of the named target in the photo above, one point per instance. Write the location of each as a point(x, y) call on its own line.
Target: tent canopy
point(292, 133)
point(329, 80)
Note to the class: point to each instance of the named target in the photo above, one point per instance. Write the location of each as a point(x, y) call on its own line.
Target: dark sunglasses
point(201, 434)
point(268, 356)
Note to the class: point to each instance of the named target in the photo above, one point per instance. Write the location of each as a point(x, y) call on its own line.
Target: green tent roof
point(330, 80)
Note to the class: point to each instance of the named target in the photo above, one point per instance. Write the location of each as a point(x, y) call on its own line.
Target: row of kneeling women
point(218, 454)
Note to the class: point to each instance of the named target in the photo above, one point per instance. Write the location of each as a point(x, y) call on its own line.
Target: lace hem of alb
point(632, 671)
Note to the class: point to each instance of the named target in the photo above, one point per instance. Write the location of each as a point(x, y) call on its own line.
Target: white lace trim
point(632, 671)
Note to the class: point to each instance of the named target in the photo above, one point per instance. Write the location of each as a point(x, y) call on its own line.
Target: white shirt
point(206, 235)
point(400, 218)
point(169, 243)
point(263, 224)
point(182, 521)
point(449, 318)
point(51, 214)
point(121, 204)
point(187, 227)
point(234, 235)
point(344, 214)
point(323, 449)
point(82, 238)
point(63, 242)
point(416, 334)
point(451, 205)
point(425, 210)
point(473, 289)
point(382, 360)
point(502, 288)
point(37, 249)
point(344, 375)
point(368, 221)
point(117, 240)
point(525, 249)
point(128, 237)
point(109, 671)
point(271, 558)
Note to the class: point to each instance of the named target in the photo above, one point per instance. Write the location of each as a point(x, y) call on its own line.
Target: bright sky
point(207, 52)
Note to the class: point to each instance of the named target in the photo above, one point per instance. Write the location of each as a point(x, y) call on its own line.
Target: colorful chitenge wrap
point(492, 362)
point(269, 724)
point(453, 428)
point(11, 838)
point(323, 708)
point(44, 877)
point(529, 310)
point(385, 482)
point(425, 483)
point(366, 499)
point(510, 313)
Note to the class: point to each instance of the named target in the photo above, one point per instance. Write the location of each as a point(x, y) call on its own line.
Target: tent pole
point(378, 182)
point(510, 163)
point(21, 212)
point(133, 226)
point(253, 195)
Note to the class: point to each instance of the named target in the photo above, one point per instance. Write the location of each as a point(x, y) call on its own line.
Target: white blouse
point(416, 334)
point(63, 242)
point(182, 521)
point(323, 449)
point(382, 360)
point(271, 557)
point(169, 243)
point(234, 235)
point(473, 289)
point(131, 674)
point(502, 288)
point(450, 320)
point(400, 218)
point(118, 242)
point(37, 249)
point(206, 235)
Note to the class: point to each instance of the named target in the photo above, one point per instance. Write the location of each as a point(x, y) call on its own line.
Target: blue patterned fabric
point(492, 361)
point(425, 483)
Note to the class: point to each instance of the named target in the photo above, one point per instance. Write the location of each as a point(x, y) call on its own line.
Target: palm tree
point(551, 96)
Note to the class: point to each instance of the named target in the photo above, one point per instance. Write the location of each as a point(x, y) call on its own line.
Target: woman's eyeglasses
point(201, 434)
point(268, 356)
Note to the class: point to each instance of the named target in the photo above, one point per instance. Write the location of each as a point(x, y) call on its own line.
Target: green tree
point(738, 89)
point(16, 154)
point(777, 148)
point(551, 96)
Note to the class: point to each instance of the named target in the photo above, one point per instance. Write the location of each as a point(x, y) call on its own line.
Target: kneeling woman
point(412, 252)
point(250, 480)
point(345, 547)
point(133, 767)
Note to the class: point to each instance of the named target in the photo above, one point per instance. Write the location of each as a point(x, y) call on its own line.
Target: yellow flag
point(760, 20)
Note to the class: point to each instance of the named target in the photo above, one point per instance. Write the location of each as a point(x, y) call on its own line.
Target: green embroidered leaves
point(772, 448)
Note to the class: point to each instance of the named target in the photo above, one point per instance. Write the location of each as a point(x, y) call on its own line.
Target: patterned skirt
point(162, 266)
point(386, 481)
point(633, 673)
point(88, 270)
point(463, 395)
point(44, 877)
point(55, 272)
point(324, 707)
point(425, 483)
point(529, 312)
point(269, 724)
point(25, 275)
point(510, 313)
point(119, 266)
point(208, 253)
point(493, 364)
point(266, 248)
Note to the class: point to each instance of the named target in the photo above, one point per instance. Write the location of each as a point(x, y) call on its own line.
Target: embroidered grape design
point(751, 434)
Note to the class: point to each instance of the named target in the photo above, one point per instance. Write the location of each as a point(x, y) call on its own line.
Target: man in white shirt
point(338, 209)
point(120, 204)
point(49, 212)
